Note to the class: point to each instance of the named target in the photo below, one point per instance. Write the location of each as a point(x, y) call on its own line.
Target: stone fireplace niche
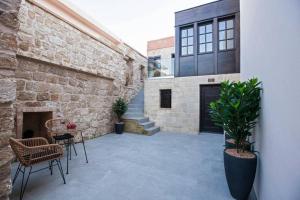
point(31, 122)
point(34, 124)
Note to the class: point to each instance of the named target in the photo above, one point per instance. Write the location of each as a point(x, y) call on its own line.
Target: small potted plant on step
point(119, 108)
point(236, 111)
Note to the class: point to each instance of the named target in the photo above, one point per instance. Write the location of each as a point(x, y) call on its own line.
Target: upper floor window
point(205, 38)
point(154, 66)
point(226, 34)
point(187, 41)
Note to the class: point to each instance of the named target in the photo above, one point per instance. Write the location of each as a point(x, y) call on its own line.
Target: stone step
point(152, 130)
point(134, 105)
point(133, 115)
point(139, 110)
point(138, 119)
point(147, 124)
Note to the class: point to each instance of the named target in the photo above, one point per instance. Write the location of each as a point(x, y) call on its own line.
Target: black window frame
point(205, 37)
point(226, 38)
point(165, 98)
point(187, 38)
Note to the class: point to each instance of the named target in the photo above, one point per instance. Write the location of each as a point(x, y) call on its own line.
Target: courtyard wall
point(184, 114)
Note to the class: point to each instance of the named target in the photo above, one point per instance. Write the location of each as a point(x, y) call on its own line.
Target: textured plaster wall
point(184, 114)
point(270, 46)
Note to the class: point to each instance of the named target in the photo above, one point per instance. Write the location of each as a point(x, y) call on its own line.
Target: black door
point(208, 93)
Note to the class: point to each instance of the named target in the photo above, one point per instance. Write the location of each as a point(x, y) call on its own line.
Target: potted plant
point(236, 111)
point(119, 108)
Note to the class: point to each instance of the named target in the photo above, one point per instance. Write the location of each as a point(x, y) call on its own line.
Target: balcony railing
point(160, 67)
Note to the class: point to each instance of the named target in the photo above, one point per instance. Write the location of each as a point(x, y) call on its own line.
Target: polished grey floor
point(165, 166)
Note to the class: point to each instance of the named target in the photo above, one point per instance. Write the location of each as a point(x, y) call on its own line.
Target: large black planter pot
point(119, 127)
point(240, 174)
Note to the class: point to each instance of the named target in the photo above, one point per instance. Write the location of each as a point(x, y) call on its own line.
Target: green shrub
point(237, 109)
point(119, 107)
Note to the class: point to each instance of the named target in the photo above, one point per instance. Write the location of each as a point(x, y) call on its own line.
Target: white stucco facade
point(270, 46)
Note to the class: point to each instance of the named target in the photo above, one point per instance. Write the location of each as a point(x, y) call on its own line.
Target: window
point(165, 98)
point(154, 66)
point(187, 41)
point(226, 34)
point(129, 72)
point(205, 38)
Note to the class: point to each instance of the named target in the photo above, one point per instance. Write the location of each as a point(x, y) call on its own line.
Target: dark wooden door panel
point(208, 93)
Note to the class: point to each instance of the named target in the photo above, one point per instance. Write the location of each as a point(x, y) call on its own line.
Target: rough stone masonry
point(46, 64)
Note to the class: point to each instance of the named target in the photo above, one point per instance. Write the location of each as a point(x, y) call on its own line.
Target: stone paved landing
point(165, 166)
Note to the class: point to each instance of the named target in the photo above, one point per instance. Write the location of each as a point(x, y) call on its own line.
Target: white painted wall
point(270, 50)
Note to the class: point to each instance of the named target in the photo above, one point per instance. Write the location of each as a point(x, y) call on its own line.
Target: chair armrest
point(31, 142)
point(44, 150)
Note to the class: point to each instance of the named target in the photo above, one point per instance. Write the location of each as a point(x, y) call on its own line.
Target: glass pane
point(229, 23)
point(190, 50)
point(183, 33)
point(209, 47)
point(202, 48)
point(183, 51)
point(222, 35)
point(209, 28)
point(201, 38)
point(190, 40)
point(184, 42)
point(201, 29)
point(222, 25)
point(190, 32)
point(230, 34)
point(209, 37)
point(230, 44)
point(222, 45)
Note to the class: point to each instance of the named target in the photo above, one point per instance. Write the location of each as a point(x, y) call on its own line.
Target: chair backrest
point(20, 150)
point(56, 126)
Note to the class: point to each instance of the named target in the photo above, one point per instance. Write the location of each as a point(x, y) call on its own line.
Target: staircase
point(134, 119)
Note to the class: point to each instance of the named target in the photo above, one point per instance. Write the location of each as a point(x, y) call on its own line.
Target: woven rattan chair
point(33, 151)
point(58, 132)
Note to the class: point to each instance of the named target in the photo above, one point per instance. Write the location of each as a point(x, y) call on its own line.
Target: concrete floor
point(165, 166)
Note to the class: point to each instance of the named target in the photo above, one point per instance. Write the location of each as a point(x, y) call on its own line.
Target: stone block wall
point(185, 112)
point(63, 69)
point(47, 64)
point(84, 98)
point(8, 62)
point(44, 36)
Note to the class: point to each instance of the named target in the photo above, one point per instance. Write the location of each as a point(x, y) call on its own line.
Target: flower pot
point(240, 172)
point(119, 127)
point(229, 144)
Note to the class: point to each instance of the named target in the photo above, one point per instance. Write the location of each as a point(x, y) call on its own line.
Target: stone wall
point(82, 97)
point(46, 64)
point(8, 63)
point(45, 37)
point(74, 74)
point(184, 114)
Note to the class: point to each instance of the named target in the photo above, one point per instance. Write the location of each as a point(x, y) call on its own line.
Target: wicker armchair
point(33, 151)
point(58, 132)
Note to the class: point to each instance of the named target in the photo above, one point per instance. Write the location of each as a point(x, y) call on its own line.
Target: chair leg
point(84, 148)
point(70, 149)
point(60, 170)
point(51, 167)
point(73, 144)
point(17, 173)
point(24, 170)
point(24, 188)
point(67, 147)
